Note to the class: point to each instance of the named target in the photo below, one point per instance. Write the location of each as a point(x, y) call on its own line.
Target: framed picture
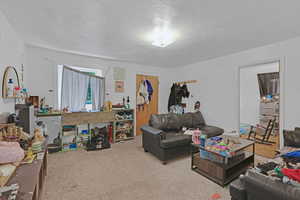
point(119, 86)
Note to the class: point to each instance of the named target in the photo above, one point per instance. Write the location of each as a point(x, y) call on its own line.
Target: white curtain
point(74, 89)
point(97, 87)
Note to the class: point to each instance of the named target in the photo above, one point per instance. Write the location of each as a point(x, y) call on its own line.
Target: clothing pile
point(145, 93)
point(266, 168)
point(177, 93)
point(288, 170)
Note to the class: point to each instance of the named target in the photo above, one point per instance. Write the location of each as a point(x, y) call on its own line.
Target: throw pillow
point(198, 120)
point(159, 121)
point(291, 138)
point(174, 123)
point(187, 120)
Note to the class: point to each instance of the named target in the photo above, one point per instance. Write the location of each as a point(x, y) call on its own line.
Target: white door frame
point(282, 64)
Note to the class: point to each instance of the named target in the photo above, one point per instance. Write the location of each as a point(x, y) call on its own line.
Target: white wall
point(217, 88)
point(249, 91)
point(41, 74)
point(11, 54)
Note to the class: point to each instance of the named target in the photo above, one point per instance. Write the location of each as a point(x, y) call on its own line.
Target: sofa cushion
point(297, 129)
point(187, 120)
point(192, 120)
point(159, 121)
point(198, 120)
point(172, 141)
point(211, 131)
point(171, 134)
point(165, 122)
point(174, 122)
point(237, 190)
point(292, 138)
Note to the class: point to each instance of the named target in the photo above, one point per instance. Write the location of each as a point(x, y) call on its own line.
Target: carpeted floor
point(125, 172)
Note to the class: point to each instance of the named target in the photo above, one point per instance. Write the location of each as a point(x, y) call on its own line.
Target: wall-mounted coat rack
point(186, 82)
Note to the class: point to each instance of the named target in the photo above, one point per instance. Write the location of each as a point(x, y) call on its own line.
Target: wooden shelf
point(6, 125)
point(116, 110)
point(124, 120)
point(128, 138)
point(14, 97)
point(128, 131)
point(123, 130)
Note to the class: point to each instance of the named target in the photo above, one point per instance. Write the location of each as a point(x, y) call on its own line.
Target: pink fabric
point(10, 152)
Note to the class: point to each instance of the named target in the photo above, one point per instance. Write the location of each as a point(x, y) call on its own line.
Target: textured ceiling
point(117, 29)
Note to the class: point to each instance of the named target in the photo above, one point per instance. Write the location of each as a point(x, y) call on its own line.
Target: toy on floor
point(215, 196)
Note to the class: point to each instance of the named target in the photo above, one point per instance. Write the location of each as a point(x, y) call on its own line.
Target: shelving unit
point(76, 127)
point(81, 124)
point(69, 137)
point(123, 126)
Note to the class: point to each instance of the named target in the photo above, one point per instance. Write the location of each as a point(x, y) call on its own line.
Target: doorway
point(146, 99)
point(260, 106)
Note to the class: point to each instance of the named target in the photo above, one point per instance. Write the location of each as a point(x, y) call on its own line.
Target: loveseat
point(256, 186)
point(164, 138)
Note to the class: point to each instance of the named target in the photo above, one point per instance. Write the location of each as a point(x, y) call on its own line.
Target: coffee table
point(220, 168)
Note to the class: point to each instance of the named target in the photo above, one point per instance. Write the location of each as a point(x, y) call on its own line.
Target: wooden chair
point(262, 134)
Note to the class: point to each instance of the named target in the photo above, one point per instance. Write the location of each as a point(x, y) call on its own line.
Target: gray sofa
point(163, 136)
point(255, 186)
point(292, 137)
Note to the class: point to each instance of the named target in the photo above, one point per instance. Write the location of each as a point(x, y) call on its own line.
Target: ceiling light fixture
point(162, 35)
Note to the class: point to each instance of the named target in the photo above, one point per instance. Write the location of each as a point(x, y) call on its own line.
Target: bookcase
point(123, 125)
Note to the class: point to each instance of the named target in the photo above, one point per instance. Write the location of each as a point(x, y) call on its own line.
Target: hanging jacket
point(177, 93)
point(145, 92)
point(149, 89)
point(142, 94)
point(184, 91)
point(174, 98)
point(171, 100)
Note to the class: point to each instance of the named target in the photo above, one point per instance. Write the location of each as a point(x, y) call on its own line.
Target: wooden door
point(143, 112)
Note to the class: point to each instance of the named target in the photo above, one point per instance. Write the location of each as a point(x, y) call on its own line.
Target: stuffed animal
point(38, 137)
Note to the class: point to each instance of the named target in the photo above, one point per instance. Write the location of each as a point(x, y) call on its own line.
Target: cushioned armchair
point(163, 136)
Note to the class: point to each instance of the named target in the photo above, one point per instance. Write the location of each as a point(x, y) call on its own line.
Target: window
point(89, 96)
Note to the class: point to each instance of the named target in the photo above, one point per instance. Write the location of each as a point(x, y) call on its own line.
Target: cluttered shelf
point(124, 130)
point(95, 130)
point(124, 125)
point(124, 120)
point(124, 139)
point(6, 125)
point(31, 178)
point(23, 164)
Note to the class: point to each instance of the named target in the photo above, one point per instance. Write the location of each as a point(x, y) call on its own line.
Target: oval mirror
point(10, 81)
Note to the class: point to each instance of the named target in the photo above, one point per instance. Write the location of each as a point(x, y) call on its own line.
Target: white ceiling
point(117, 28)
